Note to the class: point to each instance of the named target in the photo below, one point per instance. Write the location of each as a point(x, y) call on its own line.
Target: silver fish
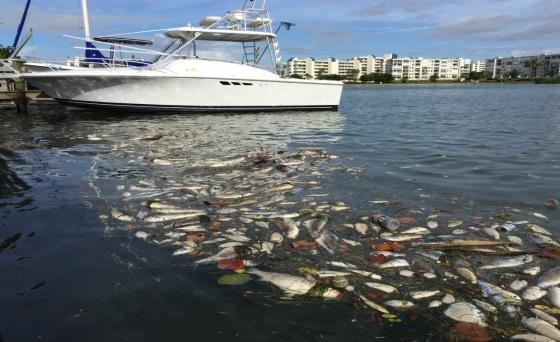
point(507, 262)
point(550, 278)
point(466, 313)
point(291, 285)
point(542, 327)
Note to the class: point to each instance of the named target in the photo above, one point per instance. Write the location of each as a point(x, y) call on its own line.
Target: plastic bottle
point(387, 222)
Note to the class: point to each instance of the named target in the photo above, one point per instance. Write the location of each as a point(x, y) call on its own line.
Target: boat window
point(235, 83)
point(248, 84)
point(225, 83)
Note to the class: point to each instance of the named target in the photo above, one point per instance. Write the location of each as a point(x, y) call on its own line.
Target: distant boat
point(181, 81)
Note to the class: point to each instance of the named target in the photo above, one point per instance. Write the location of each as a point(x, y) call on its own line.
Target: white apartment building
point(309, 67)
point(411, 68)
point(526, 66)
point(422, 69)
point(478, 66)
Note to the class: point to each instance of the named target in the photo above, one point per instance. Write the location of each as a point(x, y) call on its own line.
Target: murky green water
point(70, 271)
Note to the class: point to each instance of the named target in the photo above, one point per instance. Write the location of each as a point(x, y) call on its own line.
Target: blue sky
point(474, 29)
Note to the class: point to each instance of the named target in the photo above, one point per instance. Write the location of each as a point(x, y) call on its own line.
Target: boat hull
point(189, 94)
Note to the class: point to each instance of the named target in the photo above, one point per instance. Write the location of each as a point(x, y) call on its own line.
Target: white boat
point(180, 80)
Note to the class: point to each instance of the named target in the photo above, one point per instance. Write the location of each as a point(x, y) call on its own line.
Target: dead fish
point(382, 287)
point(538, 229)
point(395, 264)
point(367, 274)
point(544, 316)
point(291, 285)
point(466, 313)
point(435, 304)
point(542, 327)
point(507, 262)
point(492, 233)
point(406, 273)
point(228, 163)
point(332, 274)
point(467, 274)
point(502, 298)
point(224, 254)
point(162, 162)
point(534, 293)
point(351, 242)
point(161, 205)
point(361, 228)
point(237, 237)
point(518, 285)
point(454, 224)
point(142, 235)
point(550, 278)
point(399, 238)
point(531, 338)
point(373, 305)
point(399, 304)
point(432, 224)
point(485, 306)
point(448, 299)
point(341, 264)
point(541, 216)
point(417, 230)
point(122, 216)
point(226, 211)
point(280, 188)
point(423, 294)
point(276, 238)
point(541, 239)
point(191, 229)
point(183, 251)
point(554, 296)
point(315, 227)
point(460, 243)
point(172, 217)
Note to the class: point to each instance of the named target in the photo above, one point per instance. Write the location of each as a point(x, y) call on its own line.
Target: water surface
point(69, 275)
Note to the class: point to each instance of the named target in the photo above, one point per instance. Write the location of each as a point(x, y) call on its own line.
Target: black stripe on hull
point(187, 109)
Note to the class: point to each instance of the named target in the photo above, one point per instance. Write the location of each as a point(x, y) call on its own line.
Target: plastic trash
point(387, 222)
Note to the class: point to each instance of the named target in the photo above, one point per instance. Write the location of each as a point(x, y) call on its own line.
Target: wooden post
point(21, 91)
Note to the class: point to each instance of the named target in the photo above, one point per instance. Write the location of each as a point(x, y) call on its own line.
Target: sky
point(475, 29)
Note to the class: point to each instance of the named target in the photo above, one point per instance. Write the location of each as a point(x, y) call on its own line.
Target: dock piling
point(20, 89)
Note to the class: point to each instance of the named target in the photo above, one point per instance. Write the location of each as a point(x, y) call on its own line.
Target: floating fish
point(466, 313)
point(395, 264)
point(467, 274)
point(291, 285)
point(554, 296)
point(531, 338)
point(542, 327)
point(399, 304)
point(122, 216)
point(367, 274)
point(382, 287)
point(224, 254)
point(534, 293)
point(373, 305)
point(423, 294)
point(544, 316)
point(550, 278)
point(507, 262)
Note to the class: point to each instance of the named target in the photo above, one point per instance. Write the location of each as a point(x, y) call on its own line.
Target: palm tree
point(5, 51)
point(534, 64)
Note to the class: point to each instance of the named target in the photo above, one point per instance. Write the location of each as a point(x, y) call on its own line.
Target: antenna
point(86, 20)
point(21, 24)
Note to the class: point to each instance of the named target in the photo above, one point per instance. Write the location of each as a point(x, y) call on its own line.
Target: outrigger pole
point(85, 13)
